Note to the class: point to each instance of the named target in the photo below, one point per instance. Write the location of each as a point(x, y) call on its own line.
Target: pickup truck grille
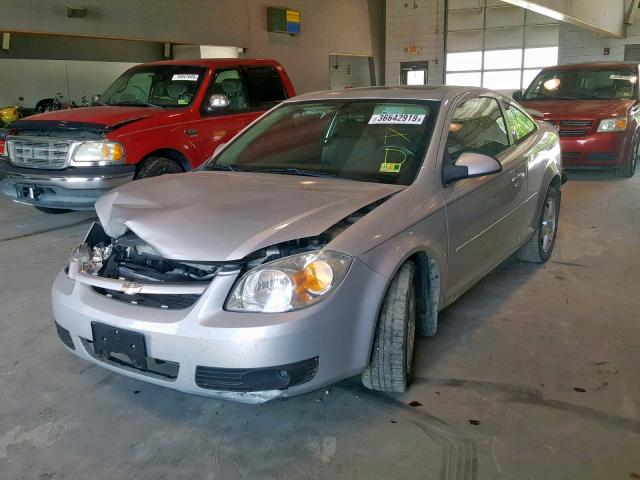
point(574, 128)
point(38, 153)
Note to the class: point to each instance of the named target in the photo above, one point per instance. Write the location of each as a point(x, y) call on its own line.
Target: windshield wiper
point(223, 166)
point(295, 171)
point(134, 104)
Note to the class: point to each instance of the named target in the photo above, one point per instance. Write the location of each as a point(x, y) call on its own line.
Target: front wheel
point(391, 367)
point(629, 168)
point(539, 247)
point(156, 166)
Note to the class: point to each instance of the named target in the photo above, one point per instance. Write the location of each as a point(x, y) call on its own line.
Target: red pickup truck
point(595, 107)
point(156, 118)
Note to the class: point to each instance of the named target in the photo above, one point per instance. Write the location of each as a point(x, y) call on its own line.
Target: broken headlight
point(289, 283)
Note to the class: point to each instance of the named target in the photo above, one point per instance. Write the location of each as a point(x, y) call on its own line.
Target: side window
point(229, 82)
point(519, 122)
point(477, 126)
point(266, 85)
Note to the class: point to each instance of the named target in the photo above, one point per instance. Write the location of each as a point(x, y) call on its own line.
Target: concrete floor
point(533, 375)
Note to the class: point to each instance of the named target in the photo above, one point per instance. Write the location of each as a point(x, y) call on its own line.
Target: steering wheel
point(144, 94)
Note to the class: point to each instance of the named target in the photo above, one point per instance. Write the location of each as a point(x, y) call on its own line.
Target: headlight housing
point(615, 124)
point(98, 153)
point(289, 283)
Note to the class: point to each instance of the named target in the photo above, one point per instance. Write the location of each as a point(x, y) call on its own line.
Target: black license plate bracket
point(115, 342)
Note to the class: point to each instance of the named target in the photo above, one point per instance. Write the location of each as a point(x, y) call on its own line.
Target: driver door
point(482, 212)
point(219, 127)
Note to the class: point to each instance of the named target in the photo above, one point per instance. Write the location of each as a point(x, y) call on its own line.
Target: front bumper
point(595, 151)
point(336, 333)
point(75, 188)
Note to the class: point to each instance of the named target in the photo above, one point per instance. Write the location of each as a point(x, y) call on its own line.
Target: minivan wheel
point(391, 367)
point(156, 166)
point(51, 211)
point(628, 169)
point(539, 247)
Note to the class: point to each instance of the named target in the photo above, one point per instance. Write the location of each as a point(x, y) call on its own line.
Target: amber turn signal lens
point(316, 278)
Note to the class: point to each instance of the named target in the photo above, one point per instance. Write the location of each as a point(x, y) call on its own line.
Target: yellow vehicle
point(10, 114)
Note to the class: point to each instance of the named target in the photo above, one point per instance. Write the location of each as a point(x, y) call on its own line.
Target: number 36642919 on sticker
point(396, 119)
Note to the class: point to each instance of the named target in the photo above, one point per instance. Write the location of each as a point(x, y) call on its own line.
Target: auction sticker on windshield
point(191, 77)
point(396, 114)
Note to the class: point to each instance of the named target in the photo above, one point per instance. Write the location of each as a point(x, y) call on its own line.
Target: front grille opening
point(38, 153)
point(65, 336)
point(278, 377)
point(156, 367)
point(165, 302)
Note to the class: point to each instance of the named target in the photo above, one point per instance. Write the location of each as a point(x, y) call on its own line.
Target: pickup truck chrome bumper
point(75, 188)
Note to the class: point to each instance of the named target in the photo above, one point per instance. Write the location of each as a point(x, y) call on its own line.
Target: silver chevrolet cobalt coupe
point(315, 245)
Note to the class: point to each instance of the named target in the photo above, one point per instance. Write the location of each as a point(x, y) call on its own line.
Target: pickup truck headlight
point(289, 283)
point(616, 124)
point(100, 153)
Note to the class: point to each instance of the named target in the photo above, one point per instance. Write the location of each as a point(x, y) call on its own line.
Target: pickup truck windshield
point(366, 140)
point(588, 84)
point(156, 86)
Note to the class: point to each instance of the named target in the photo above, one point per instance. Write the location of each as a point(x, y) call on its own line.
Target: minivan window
point(585, 84)
point(155, 85)
point(366, 140)
point(267, 86)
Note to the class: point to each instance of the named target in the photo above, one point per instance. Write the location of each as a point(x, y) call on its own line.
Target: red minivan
point(595, 108)
point(156, 118)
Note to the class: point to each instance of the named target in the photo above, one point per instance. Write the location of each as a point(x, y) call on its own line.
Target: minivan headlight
point(616, 124)
point(289, 283)
point(101, 153)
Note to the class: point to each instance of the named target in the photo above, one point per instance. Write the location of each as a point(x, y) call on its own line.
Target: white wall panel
point(541, 36)
point(504, 17)
point(464, 41)
point(503, 38)
point(466, 20)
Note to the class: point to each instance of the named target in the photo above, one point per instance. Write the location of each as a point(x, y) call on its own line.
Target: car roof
point(592, 66)
point(221, 62)
point(390, 92)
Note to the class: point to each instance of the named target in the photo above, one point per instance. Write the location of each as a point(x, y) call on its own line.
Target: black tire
point(538, 249)
point(156, 166)
point(391, 367)
point(51, 211)
point(629, 168)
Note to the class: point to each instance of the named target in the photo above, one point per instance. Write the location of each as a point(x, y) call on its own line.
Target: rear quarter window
point(266, 85)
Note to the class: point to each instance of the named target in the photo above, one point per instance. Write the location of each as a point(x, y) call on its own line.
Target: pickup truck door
point(214, 128)
point(252, 90)
point(483, 213)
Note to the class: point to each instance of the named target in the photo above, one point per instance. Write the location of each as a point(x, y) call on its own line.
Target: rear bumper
point(75, 188)
point(595, 151)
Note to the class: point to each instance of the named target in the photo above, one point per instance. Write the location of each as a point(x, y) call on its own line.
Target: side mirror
point(517, 95)
point(96, 98)
point(218, 102)
point(470, 165)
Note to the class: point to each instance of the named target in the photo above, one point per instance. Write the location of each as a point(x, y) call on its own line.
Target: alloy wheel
point(548, 224)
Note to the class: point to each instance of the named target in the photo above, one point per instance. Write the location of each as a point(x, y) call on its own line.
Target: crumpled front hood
point(596, 109)
point(222, 216)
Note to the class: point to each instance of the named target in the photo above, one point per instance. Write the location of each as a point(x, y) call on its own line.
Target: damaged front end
point(129, 270)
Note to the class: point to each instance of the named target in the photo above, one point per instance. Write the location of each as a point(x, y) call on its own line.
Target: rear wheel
point(156, 166)
point(628, 169)
point(51, 211)
point(539, 247)
point(391, 367)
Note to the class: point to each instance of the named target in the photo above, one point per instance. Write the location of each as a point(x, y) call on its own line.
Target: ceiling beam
point(606, 18)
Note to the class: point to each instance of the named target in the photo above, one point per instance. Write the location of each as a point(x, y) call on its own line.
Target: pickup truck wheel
point(391, 367)
point(155, 166)
point(628, 169)
point(539, 247)
point(51, 211)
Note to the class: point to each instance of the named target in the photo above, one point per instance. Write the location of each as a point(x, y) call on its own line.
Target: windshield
point(158, 85)
point(606, 84)
point(369, 140)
